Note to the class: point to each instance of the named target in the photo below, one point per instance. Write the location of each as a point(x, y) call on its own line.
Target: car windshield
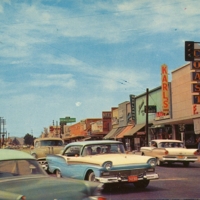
point(103, 149)
point(10, 168)
point(52, 143)
point(171, 145)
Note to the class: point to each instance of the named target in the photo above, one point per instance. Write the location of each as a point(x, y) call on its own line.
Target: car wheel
point(141, 184)
point(186, 164)
point(58, 174)
point(91, 177)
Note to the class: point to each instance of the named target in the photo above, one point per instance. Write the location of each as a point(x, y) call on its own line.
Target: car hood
point(116, 159)
point(45, 187)
point(181, 151)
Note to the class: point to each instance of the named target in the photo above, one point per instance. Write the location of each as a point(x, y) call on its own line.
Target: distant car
point(22, 177)
point(170, 151)
point(104, 161)
point(44, 146)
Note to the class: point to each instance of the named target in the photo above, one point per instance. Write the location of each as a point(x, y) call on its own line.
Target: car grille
point(125, 173)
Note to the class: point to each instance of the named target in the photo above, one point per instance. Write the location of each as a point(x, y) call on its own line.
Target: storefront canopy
point(134, 130)
point(110, 134)
point(114, 132)
point(121, 135)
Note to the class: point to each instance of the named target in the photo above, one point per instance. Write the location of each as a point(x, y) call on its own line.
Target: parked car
point(44, 146)
point(104, 161)
point(170, 151)
point(22, 177)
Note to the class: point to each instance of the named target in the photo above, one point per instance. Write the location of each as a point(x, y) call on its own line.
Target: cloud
point(60, 80)
point(78, 104)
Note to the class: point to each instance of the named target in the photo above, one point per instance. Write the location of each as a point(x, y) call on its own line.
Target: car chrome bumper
point(125, 179)
point(184, 159)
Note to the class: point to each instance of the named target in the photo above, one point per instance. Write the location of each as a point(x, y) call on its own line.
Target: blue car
point(104, 161)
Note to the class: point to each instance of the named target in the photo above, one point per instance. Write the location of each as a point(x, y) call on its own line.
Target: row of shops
point(170, 111)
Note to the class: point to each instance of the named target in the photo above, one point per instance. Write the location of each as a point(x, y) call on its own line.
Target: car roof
point(9, 154)
point(166, 140)
point(83, 143)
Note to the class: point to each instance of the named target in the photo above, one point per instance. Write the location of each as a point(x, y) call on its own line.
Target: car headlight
point(152, 162)
point(107, 165)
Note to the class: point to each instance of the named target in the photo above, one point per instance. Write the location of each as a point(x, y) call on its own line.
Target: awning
point(135, 129)
point(128, 128)
point(114, 132)
point(119, 130)
point(111, 133)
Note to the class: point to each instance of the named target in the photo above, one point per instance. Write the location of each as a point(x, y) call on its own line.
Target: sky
point(78, 58)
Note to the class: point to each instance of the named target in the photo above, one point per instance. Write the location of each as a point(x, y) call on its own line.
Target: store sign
point(161, 116)
point(151, 109)
point(165, 89)
point(106, 115)
point(132, 102)
point(67, 120)
point(195, 78)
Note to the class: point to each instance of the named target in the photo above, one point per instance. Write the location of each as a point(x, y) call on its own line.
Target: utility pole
point(147, 116)
point(4, 122)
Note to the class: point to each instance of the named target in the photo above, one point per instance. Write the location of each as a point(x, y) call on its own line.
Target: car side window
point(72, 151)
point(153, 144)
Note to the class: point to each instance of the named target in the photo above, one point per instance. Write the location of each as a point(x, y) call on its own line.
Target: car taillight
point(166, 152)
point(23, 198)
point(101, 198)
point(196, 153)
point(95, 198)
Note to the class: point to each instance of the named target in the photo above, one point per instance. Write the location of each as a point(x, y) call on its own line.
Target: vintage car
point(44, 146)
point(22, 177)
point(169, 151)
point(104, 161)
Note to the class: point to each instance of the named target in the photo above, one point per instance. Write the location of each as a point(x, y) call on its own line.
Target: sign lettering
point(196, 99)
point(195, 65)
point(165, 89)
point(196, 76)
point(132, 102)
point(196, 87)
point(195, 110)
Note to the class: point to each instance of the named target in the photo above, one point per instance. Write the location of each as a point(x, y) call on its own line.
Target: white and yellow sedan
point(104, 161)
point(170, 151)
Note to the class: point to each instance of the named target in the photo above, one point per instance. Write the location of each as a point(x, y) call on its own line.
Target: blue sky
point(79, 58)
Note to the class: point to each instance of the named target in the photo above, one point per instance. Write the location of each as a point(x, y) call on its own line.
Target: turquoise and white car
point(104, 161)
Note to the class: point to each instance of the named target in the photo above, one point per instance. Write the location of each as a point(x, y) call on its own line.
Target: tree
point(28, 139)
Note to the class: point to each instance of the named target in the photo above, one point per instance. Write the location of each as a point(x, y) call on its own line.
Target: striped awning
point(134, 130)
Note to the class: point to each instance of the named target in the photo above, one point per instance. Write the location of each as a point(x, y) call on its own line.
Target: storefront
point(185, 105)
